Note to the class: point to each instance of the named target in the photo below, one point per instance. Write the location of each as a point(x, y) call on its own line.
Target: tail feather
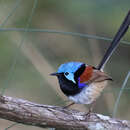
point(115, 42)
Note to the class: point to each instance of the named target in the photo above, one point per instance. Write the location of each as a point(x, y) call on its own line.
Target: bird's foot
point(67, 106)
point(90, 110)
point(89, 113)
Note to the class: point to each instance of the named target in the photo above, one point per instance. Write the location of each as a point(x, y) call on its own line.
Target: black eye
point(66, 73)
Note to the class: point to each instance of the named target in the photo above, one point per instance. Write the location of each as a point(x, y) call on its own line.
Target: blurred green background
point(29, 51)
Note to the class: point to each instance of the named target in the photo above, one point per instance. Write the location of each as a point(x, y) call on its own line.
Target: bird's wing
point(99, 76)
point(93, 75)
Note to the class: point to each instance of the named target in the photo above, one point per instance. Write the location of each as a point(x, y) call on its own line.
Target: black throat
point(68, 87)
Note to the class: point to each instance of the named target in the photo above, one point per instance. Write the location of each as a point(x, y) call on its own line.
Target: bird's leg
point(69, 105)
point(90, 109)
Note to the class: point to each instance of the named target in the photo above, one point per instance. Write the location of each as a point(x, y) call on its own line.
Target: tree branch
point(29, 113)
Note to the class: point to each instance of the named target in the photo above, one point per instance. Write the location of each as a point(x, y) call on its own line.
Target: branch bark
point(29, 113)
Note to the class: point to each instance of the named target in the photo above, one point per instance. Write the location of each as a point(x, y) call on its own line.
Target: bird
point(83, 83)
point(80, 82)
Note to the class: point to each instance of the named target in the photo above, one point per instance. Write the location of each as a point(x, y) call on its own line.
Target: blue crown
point(69, 67)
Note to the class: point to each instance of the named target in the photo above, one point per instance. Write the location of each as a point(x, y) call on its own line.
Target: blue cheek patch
point(81, 85)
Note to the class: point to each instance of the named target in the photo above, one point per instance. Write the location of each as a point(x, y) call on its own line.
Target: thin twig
point(120, 93)
point(62, 33)
point(14, 124)
point(20, 45)
point(11, 12)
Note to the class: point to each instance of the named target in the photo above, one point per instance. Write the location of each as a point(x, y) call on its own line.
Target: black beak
point(54, 74)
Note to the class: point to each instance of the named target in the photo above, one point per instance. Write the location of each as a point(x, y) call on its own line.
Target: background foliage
point(33, 43)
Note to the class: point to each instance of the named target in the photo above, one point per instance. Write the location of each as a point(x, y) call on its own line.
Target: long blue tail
point(115, 42)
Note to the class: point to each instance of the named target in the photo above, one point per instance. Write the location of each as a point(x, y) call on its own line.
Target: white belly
point(89, 93)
